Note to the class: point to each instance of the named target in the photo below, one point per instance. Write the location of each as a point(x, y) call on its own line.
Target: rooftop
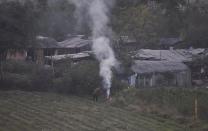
point(144, 67)
point(71, 56)
point(179, 55)
point(76, 41)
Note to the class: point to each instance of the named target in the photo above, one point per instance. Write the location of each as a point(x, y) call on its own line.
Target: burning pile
point(98, 11)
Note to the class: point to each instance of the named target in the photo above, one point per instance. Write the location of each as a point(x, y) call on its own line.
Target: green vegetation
point(156, 105)
point(131, 109)
point(138, 22)
point(143, 20)
point(174, 103)
point(26, 76)
point(46, 111)
point(147, 22)
point(80, 78)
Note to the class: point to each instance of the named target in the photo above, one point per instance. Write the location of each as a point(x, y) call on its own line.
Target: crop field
point(34, 111)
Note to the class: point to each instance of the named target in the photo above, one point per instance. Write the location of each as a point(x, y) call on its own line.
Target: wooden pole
point(196, 106)
point(1, 68)
point(52, 65)
point(2, 58)
point(196, 109)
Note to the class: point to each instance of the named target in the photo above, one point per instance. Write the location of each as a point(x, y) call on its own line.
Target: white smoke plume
point(98, 11)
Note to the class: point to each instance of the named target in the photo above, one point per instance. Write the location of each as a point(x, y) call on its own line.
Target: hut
point(160, 73)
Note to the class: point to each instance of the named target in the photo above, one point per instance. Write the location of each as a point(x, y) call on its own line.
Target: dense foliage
point(150, 21)
point(67, 78)
point(143, 20)
point(146, 21)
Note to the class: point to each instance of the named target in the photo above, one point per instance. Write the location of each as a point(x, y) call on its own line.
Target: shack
point(160, 73)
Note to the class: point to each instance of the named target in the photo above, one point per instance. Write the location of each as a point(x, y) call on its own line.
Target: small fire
point(108, 94)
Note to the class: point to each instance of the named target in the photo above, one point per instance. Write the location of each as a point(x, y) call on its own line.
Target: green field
point(34, 111)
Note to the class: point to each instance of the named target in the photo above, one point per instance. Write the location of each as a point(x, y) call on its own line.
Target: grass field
point(34, 111)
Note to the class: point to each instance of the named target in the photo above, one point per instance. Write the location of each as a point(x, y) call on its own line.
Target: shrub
point(42, 79)
point(26, 76)
point(15, 81)
point(80, 78)
point(18, 67)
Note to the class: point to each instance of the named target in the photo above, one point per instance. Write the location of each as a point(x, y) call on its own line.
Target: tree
point(196, 30)
point(55, 19)
point(17, 27)
point(173, 14)
point(139, 22)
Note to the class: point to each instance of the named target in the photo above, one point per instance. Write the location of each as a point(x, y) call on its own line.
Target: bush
point(80, 79)
point(118, 85)
point(74, 78)
point(15, 81)
point(26, 76)
point(19, 67)
point(42, 79)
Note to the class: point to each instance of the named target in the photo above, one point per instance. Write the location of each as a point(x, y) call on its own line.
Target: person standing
point(96, 93)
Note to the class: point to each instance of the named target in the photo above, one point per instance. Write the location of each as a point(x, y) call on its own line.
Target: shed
point(158, 73)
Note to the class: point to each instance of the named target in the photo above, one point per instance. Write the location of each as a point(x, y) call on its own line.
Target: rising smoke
point(98, 12)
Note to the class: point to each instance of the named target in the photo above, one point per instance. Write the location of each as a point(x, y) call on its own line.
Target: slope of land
point(28, 111)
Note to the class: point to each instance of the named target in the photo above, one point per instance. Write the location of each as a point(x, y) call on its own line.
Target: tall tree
point(138, 22)
point(173, 20)
point(17, 27)
point(55, 19)
point(196, 19)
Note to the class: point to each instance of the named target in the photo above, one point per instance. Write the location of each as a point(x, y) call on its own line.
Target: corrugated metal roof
point(72, 56)
point(75, 42)
point(179, 55)
point(144, 67)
